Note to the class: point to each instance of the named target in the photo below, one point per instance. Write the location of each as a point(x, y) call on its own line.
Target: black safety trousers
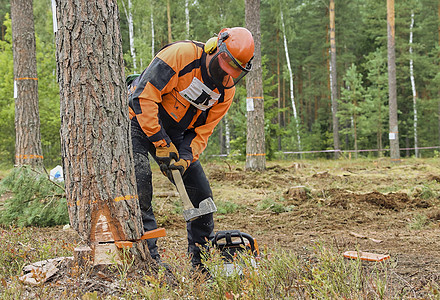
point(196, 183)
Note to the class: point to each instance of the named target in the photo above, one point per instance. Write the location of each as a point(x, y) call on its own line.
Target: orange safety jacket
point(174, 100)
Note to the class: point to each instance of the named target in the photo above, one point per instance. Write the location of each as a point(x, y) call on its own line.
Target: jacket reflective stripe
point(164, 114)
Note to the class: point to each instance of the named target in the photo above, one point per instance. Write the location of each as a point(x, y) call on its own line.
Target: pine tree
point(255, 146)
point(27, 120)
point(97, 159)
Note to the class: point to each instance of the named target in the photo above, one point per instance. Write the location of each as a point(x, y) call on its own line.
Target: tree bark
point(28, 149)
point(333, 80)
point(255, 146)
point(393, 121)
point(95, 136)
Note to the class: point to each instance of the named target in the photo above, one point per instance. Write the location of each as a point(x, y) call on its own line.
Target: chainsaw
point(231, 242)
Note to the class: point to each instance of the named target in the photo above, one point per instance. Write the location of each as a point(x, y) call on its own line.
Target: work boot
point(158, 260)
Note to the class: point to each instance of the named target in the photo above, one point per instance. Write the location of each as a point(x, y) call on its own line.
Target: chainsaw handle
point(229, 234)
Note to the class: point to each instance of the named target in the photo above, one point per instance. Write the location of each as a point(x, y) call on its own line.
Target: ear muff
point(211, 45)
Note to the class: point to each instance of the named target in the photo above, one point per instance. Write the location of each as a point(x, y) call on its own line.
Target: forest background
point(299, 29)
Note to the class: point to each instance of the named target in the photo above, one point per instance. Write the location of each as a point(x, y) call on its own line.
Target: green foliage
point(35, 200)
point(361, 41)
point(273, 206)
point(226, 207)
point(350, 104)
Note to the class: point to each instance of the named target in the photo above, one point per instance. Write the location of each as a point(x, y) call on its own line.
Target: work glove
point(166, 154)
point(180, 165)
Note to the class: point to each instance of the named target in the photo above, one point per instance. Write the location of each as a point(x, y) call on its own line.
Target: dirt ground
point(368, 205)
point(374, 206)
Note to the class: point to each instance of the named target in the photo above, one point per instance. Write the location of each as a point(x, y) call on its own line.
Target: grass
point(278, 274)
point(226, 207)
point(418, 222)
point(21, 246)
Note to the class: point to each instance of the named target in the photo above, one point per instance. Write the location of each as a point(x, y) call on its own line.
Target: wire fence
point(316, 153)
point(354, 151)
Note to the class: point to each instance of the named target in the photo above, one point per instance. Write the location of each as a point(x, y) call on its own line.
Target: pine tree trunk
point(333, 80)
point(95, 136)
point(394, 129)
point(28, 149)
point(255, 146)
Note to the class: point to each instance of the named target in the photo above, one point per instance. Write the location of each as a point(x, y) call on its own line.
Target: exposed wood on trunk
point(28, 149)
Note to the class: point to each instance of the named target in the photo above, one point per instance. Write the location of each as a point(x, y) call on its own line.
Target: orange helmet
point(239, 50)
point(235, 53)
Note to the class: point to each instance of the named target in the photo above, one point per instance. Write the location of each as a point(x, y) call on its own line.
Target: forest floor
point(367, 205)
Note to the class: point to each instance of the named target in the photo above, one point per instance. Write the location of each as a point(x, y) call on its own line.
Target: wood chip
point(361, 236)
point(39, 272)
point(365, 256)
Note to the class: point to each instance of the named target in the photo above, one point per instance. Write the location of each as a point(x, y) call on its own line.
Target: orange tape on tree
point(26, 78)
point(29, 156)
point(127, 197)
